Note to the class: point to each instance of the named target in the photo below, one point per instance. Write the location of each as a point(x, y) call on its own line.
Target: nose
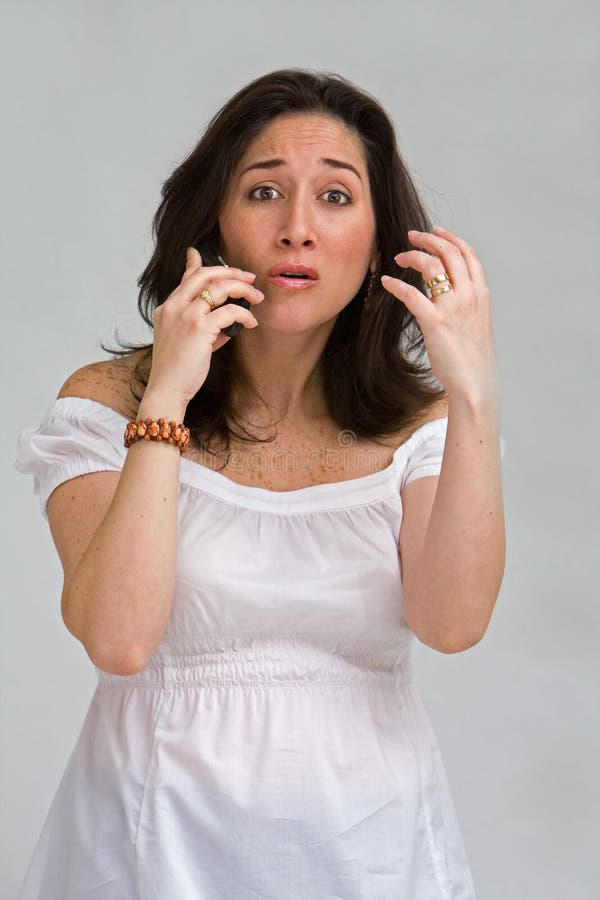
point(297, 228)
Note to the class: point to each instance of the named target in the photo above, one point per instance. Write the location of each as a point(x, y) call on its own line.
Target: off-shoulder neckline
point(205, 477)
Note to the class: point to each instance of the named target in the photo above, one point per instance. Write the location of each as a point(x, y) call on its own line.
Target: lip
point(294, 268)
point(293, 284)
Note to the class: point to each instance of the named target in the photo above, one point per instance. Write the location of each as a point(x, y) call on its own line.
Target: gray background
point(495, 118)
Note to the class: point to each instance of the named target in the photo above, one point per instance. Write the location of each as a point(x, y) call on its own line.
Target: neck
point(284, 369)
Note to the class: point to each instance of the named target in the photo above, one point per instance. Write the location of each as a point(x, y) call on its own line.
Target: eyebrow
point(325, 161)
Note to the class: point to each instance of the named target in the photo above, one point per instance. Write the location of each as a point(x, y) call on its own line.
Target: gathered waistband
point(270, 664)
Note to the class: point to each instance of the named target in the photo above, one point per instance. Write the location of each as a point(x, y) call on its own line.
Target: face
point(304, 211)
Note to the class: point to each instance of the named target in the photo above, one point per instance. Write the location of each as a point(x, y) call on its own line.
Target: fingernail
point(439, 228)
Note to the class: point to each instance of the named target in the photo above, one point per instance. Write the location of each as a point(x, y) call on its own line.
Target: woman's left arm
point(461, 563)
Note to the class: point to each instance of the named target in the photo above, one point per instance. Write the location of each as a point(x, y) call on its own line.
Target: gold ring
point(204, 295)
point(441, 279)
point(437, 279)
point(441, 290)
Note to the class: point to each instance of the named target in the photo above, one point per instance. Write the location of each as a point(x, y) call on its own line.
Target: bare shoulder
point(108, 382)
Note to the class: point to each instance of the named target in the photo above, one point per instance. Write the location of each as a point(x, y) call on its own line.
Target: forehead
point(302, 134)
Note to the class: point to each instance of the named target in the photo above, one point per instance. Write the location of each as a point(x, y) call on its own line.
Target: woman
point(255, 731)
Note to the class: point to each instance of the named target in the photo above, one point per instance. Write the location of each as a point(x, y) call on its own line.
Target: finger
point(422, 308)
point(228, 287)
point(227, 315)
point(424, 263)
point(472, 260)
point(191, 256)
point(210, 275)
point(192, 261)
point(454, 264)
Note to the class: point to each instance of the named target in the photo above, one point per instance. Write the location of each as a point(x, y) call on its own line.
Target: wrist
point(156, 405)
point(476, 402)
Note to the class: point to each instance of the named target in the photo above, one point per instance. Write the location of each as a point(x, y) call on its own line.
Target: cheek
point(352, 253)
point(233, 225)
point(237, 241)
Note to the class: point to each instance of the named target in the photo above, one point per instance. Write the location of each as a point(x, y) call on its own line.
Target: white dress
point(275, 747)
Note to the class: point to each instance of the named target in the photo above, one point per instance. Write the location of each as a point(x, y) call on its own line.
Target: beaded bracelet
point(157, 430)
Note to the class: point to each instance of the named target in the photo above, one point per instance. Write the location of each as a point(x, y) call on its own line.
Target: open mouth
point(294, 281)
point(293, 275)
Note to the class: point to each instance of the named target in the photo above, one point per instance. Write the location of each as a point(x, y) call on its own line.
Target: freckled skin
point(307, 219)
point(305, 212)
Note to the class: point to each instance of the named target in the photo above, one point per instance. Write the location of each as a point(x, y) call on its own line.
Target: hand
point(187, 332)
point(456, 325)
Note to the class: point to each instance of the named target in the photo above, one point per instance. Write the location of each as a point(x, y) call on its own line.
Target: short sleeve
point(76, 436)
point(425, 449)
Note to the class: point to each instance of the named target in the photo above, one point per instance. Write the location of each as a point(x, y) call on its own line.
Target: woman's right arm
point(117, 533)
point(118, 596)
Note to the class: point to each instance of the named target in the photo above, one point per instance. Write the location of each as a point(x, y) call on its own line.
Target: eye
point(268, 187)
point(343, 194)
point(264, 187)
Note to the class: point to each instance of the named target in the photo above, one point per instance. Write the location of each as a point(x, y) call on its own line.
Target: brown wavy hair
point(373, 376)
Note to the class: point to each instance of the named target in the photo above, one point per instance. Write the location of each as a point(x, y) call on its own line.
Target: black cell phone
point(211, 258)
